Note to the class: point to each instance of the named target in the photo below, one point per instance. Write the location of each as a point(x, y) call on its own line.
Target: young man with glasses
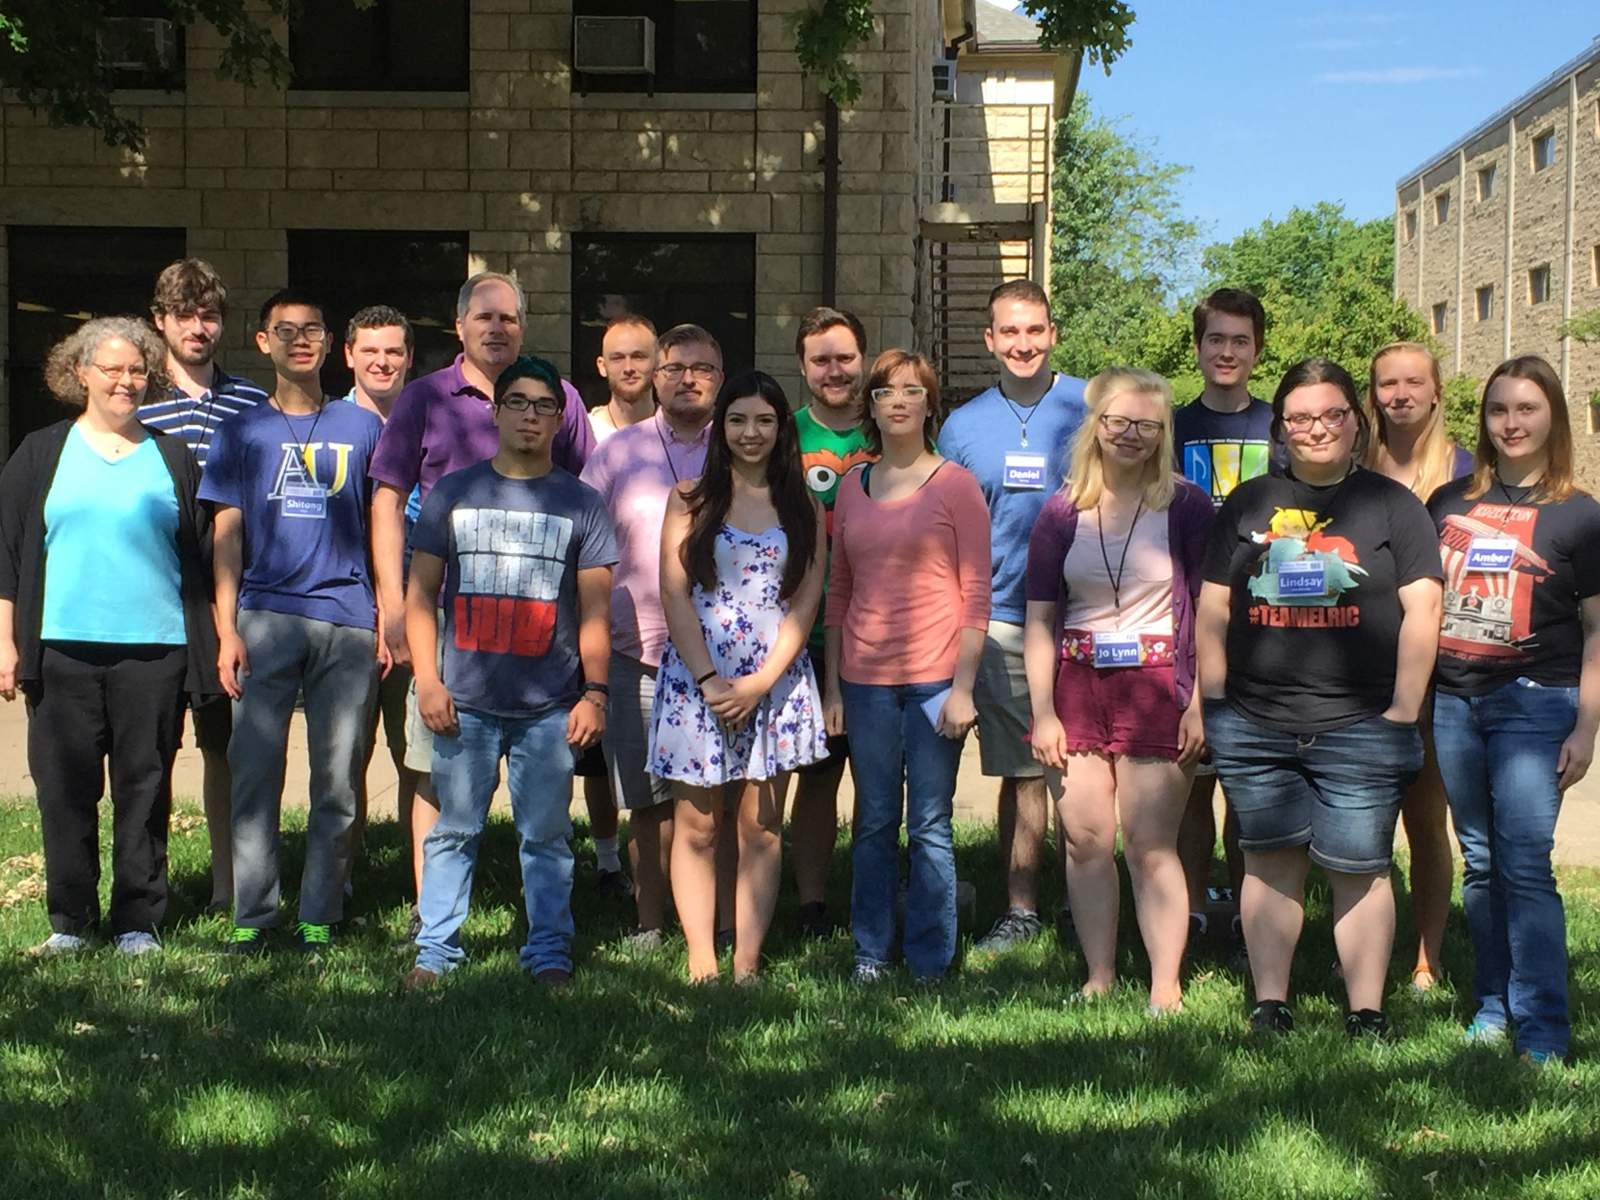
point(295, 613)
point(523, 552)
point(188, 309)
point(1016, 439)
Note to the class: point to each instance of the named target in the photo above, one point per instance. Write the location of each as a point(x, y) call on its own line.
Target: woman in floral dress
point(736, 700)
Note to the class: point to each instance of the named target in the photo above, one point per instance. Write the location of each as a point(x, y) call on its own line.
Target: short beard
point(638, 394)
point(188, 359)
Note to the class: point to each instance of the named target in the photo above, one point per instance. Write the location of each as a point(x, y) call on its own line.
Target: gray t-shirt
point(513, 549)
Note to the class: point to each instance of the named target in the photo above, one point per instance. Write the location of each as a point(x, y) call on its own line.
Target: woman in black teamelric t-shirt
point(1318, 624)
point(1519, 693)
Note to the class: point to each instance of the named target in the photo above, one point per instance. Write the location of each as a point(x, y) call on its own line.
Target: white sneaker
point(137, 942)
point(58, 944)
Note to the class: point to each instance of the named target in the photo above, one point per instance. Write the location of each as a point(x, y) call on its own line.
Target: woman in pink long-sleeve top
point(908, 604)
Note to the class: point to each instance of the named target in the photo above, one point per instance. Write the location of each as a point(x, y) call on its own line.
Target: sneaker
point(815, 921)
point(58, 944)
point(311, 937)
point(246, 940)
point(554, 978)
point(419, 979)
point(1017, 926)
point(644, 941)
point(1271, 1016)
point(1542, 1058)
point(1367, 1023)
point(136, 942)
point(1485, 1033)
point(613, 885)
point(868, 972)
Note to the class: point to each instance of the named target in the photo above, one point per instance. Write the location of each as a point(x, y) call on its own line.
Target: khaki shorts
point(419, 738)
point(626, 740)
point(1005, 714)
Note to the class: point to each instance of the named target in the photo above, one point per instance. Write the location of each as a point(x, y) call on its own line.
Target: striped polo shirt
point(195, 418)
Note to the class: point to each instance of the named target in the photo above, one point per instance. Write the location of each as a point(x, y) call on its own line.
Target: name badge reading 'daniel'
point(1491, 555)
point(1116, 650)
point(305, 500)
point(1302, 577)
point(1024, 471)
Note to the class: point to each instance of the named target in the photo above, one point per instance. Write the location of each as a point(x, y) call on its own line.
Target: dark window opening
point(418, 273)
point(706, 279)
point(141, 45)
point(60, 277)
point(392, 46)
point(700, 46)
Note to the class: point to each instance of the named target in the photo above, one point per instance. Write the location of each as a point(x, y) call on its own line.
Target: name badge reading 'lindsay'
point(1302, 578)
point(1024, 472)
point(1116, 650)
point(1491, 555)
point(305, 500)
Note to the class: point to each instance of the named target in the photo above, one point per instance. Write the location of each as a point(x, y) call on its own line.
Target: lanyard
point(667, 450)
point(1510, 503)
point(1122, 563)
point(305, 454)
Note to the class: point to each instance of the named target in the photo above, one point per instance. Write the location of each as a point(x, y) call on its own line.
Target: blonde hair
point(1085, 478)
point(1436, 453)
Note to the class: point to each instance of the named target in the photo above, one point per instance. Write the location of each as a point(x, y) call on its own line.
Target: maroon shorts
point(1118, 710)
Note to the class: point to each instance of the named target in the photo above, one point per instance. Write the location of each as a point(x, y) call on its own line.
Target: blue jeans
point(466, 771)
point(897, 760)
point(1497, 753)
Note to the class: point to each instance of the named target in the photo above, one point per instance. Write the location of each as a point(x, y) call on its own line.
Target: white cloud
point(1390, 75)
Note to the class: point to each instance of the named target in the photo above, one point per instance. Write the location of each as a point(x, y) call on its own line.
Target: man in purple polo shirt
point(635, 470)
point(441, 423)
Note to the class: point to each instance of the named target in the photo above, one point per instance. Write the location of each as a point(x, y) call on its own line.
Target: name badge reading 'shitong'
point(1302, 578)
point(1491, 555)
point(305, 500)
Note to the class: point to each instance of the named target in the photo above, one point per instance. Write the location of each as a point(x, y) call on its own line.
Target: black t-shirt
point(1525, 621)
point(1217, 451)
point(1315, 572)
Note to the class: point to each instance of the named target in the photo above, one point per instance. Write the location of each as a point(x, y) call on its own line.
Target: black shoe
point(1271, 1016)
point(815, 921)
point(1368, 1023)
point(312, 938)
point(613, 885)
point(246, 940)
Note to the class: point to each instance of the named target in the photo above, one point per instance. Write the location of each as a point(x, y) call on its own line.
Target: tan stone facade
point(522, 163)
point(1500, 235)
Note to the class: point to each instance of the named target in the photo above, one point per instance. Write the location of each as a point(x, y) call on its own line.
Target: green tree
point(1120, 246)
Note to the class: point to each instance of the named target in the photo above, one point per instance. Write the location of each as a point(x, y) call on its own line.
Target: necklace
point(1122, 563)
point(1016, 411)
point(303, 446)
point(1511, 504)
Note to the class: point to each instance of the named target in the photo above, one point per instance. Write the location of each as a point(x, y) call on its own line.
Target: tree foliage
point(1099, 27)
point(1584, 328)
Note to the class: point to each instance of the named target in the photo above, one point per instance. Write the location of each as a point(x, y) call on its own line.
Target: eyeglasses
point(1117, 426)
point(133, 374)
point(288, 332)
point(889, 393)
point(544, 406)
point(1332, 420)
point(674, 371)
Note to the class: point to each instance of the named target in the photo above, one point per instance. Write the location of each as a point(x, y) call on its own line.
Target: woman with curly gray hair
point(105, 623)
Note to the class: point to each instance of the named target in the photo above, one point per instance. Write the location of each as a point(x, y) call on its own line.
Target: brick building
point(421, 140)
point(1497, 239)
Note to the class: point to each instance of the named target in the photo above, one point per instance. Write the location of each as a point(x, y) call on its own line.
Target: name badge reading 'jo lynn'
point(1116, 650)
point(1491, 555)
point(1302, 578)
point(1024, 471)
point(305, 500)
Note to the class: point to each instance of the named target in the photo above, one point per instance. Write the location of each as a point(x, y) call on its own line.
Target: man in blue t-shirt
point(1016, 438)
point(295, 613)
point(524, 552)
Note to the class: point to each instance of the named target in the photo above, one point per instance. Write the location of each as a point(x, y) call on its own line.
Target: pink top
point(907, 577)
point(635, 470)
point(1144, 585)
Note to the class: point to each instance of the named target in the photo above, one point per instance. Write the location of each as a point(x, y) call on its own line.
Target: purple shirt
point(635, 470)
point(442, 423)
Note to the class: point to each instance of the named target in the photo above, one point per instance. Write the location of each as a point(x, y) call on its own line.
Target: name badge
point(1025, 472)
point(1491, 555)
point(1116, 650)
point(305, 500)
point(1301, 577)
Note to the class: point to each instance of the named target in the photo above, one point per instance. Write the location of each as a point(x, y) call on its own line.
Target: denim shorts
point(1337, 793)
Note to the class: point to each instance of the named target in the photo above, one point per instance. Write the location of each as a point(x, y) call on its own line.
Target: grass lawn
point(191, 1074)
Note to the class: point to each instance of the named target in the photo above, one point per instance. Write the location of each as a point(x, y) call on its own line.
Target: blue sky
point(1278, 103)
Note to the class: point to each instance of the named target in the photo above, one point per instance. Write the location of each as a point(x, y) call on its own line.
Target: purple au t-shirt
point(442, 423)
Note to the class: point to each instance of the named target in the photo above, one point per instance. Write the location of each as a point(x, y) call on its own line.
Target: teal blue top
point(111, 549)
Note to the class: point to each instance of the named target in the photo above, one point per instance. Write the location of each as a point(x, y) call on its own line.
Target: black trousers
point(97, 702)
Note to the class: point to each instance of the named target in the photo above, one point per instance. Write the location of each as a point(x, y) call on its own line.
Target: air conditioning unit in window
point(137, 43)
point(944, 80)
point(614, 45)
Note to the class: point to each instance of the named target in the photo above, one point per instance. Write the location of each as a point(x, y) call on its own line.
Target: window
point(142, 45)
point(1441, 316)
point(1539, 284)
point(60, 277)
point(709, 279)
point(1411, 224)
point(1544, 150)
point(391, 46)
point(1485, 296)
point(1594, 267)
point(1441, 208)
point(418, 273)
point(701, 46)
point(1486, 182)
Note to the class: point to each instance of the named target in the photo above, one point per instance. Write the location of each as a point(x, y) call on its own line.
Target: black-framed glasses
point(1117, 426)
point(1332, 420)
point(700, 370)
point(543, 406)
point(288, 332)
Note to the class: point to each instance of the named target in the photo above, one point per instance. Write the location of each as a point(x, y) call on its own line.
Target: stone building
point(1497, 239)
point(421, 140)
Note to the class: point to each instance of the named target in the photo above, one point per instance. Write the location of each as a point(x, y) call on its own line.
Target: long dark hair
point(713, 494)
